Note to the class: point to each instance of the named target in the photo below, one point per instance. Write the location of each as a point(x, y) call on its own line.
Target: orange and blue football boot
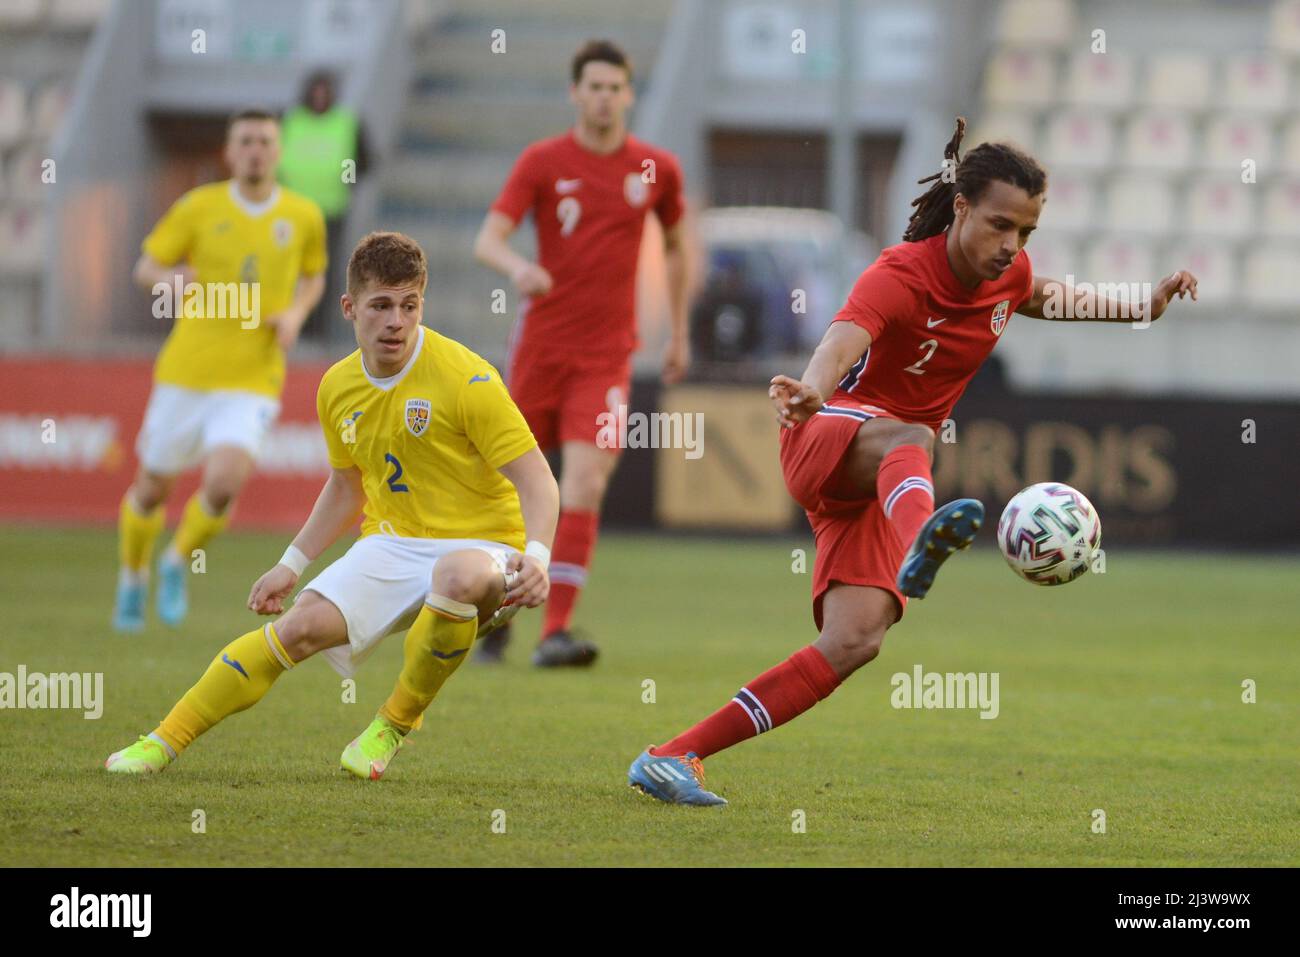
point(673, 780)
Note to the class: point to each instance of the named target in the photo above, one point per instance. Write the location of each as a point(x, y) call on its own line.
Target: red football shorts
point(565, 403)
point(856, 545)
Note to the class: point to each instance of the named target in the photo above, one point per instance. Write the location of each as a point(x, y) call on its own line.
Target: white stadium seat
point(1099, 81)
point(1158, 140)
point(1284, 32)
point(1079, 140)
point(1071, 203)
point(13, 113)
point(1212, 262)
point(1270, 276)
point(49, 107)
point(1044, 23)
point(1256, 83)
point(1220, 206)
point(22, 238)
point(1179, 81)
point(1053, 254)
point(1112, 259)
point(1282, 209)
point(22, 174)
point(1230, 140)
point(1139, 204)
point(77, 14)
point(1004, 126)
point(20, 13)
point(1020, 78)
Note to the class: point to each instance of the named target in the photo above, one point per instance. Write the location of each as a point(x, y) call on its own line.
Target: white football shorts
point(181, 426)
point(380, 585)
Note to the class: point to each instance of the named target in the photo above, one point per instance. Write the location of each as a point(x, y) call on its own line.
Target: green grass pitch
point(1121, 692)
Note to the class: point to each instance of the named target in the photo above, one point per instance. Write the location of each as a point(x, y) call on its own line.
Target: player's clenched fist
point(270, 591)
point(530, 584)
point(532, 280)
point(794, 401)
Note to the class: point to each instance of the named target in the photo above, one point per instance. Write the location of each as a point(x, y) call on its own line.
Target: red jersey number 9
point(569, 211)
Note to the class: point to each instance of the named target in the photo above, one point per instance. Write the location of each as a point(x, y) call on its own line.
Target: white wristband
point(540, 552)
point(295, 560)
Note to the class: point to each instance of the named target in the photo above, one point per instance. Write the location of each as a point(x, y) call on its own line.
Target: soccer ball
point(1049, 533)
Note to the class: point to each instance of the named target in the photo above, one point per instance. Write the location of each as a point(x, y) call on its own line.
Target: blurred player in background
point(218, 379)
point(459, 511)
point(570, 358)
point(917, 326)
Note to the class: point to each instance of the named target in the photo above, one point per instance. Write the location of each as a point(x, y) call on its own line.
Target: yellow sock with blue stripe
point(198, 527)
point(239, 675)
point(136, 533)
point(435, 646)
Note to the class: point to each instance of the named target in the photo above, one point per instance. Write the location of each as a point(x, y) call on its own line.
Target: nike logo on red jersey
point(931, 323)
point(563, 186)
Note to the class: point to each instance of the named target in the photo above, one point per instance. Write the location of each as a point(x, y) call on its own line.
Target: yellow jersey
point(428, 441)
point(225, 239)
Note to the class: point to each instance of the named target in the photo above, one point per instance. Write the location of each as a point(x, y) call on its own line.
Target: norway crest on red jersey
point(635, 190)
point(998, 321)
point(417, 416)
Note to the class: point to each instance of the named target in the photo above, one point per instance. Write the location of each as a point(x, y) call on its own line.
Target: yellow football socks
point(239, 675)
point(136, 534)
point(198, 527)
point(435, 646)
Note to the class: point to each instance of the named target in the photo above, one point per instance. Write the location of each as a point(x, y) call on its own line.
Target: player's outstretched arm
point(149, 272)
point(796, 400)
point(492, 248)
point(539, 500)
point(336, 509)
point(306, 295)
point(1060, 302)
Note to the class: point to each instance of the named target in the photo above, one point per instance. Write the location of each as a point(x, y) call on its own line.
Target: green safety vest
point(313, 149)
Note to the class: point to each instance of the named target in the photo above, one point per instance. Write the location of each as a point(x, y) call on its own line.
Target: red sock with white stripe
point(771, 699)
point(906, 490)
point(575, 537)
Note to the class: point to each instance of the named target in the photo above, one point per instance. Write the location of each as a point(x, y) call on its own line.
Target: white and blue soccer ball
point(1049, 533)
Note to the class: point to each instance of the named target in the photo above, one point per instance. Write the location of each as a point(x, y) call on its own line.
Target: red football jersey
point(929, 333)
point(589, 210)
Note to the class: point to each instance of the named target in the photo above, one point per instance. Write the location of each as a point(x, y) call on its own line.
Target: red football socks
point(771, 699)
point(906, 490)
point(575, 537)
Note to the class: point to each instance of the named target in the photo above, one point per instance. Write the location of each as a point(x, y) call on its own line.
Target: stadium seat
point(1220, 206)
point(1213, 263)
point(1037, 23)
point(1158, 140)
point(1282, 209)
point(1124, 260)
point(22, 238)
point(1139, 204)
point(1270, 276)
point(1256, 83)
point(20, 13)
point(1079, 140)
point(1071, 203)
point(13, 113)
point(1020, 78)
point(49, 107)
point(1099, 81)
point(22, 174)
point(1053, 254)
point(1229, 140)
point(77, 14)
point(1179, 81)
point(1284, 30)
point(1008, 127)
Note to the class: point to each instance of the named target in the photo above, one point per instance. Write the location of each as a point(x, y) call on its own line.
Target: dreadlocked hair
point(986, 163)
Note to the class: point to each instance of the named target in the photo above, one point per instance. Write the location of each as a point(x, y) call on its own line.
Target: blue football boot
point(674, 780)
point(950, 529)
point(173, 601)
point(128, 610)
